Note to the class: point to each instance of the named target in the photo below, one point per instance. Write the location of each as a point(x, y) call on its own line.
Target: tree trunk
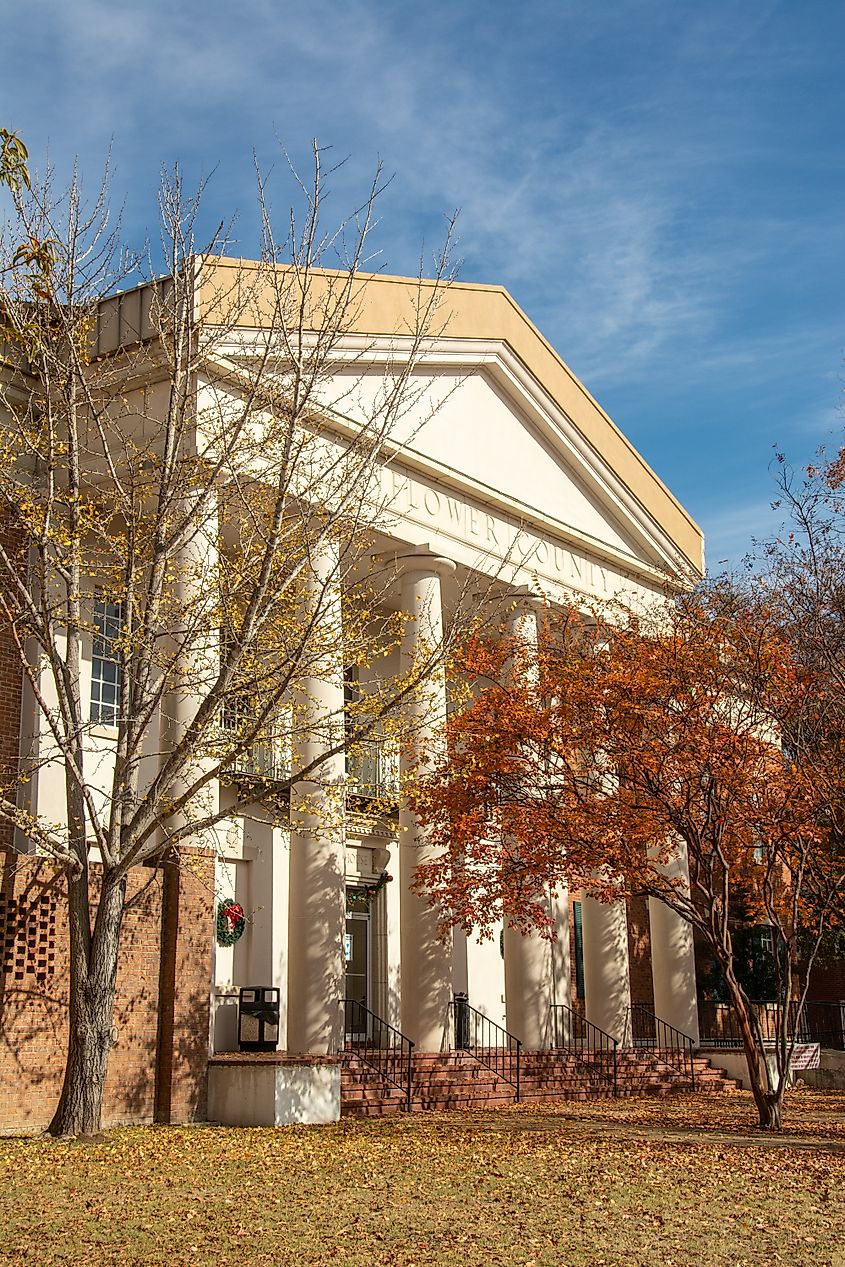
point(93, 971)
point(767, 1098)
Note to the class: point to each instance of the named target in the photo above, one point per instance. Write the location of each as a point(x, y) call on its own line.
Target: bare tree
point(185, 500)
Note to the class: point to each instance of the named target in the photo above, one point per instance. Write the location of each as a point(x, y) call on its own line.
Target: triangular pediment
point(479, 431)
point(486, 438)
point(499, 414)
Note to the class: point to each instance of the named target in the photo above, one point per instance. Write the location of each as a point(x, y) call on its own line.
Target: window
point(266, 756)
point(105, 662)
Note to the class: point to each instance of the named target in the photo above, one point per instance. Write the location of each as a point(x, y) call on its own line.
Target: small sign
point(347, 947)
point(806, 1056)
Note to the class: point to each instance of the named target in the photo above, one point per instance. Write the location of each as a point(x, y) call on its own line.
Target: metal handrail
point(578, 1038)
point(381, 1046)
point(490, 1044)
point(650, 1031)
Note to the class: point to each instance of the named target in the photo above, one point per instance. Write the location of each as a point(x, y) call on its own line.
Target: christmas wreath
point(363, 897)
point(231, 922)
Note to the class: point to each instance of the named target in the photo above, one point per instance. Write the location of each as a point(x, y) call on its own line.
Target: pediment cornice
point(658, 556)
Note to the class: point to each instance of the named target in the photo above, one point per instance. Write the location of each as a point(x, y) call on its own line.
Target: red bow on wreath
point(233, 914)
point(231, 922)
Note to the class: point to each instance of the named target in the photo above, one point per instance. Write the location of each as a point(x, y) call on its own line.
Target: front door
point(357, 954)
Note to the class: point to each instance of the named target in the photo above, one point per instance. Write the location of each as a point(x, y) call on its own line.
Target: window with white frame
point(105, 663)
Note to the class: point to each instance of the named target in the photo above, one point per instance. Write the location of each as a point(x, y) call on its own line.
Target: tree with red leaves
point(594, 758)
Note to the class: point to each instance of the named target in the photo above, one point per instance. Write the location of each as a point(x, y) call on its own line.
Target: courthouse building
point(515, 485)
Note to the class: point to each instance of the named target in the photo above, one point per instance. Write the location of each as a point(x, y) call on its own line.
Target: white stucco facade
point(503, 477)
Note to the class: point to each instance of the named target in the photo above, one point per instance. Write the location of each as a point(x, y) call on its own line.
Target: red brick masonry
point(33, 996)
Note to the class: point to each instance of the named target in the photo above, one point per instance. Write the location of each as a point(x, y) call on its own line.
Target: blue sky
point(660, 184)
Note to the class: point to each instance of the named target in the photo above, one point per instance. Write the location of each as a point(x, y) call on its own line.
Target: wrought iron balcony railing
point(372, 771)
point(266, 761)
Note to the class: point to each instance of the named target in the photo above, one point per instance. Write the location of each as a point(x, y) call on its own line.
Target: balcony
point(265, 762)
point(372, 772)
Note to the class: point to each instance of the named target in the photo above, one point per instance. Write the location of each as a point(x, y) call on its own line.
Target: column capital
point(414, 559)
point(523, 597)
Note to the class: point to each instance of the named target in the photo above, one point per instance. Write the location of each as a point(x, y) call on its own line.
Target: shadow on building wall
point(34, 989)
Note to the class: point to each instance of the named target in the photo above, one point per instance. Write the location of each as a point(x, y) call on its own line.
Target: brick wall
point(639, 952)
point(34, 968)
point(33, 996)
point(827, 981)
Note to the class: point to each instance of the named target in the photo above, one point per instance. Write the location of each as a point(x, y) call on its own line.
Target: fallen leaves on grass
point(522, 1186)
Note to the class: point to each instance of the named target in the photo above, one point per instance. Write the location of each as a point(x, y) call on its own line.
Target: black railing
point(490, 1044)
point(719, 1026)
point(380, 1046)
point(267, 759)
point(816, 1022)
point(592, 1047)
point(824, 1023)
point(265, 762)
point(670, 1046)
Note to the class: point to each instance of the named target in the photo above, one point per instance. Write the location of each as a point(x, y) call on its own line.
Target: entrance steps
point(456, 1080)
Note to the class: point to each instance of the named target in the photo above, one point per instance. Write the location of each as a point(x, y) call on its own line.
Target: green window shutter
point(579, 950)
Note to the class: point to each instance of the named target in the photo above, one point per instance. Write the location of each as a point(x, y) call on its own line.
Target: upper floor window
point(105, 662)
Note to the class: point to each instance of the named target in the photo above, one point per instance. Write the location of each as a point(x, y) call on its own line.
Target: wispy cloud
point(732, 532)
point(658, 185)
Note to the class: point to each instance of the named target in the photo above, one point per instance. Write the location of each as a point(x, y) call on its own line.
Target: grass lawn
point(687, 1181)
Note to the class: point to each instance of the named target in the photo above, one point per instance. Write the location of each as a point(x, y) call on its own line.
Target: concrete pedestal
point(272, 1089)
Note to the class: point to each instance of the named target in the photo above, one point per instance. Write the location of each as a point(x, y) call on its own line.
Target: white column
point(561, 973)
point(673, 956)
point(393, 942)
point(426, 962)
point(606, 977)
point(194, 642)
point(266, 847)
point(533, 965)
point(317, 892)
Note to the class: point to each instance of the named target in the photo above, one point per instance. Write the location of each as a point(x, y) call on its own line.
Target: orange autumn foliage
point(622, 738)
point(618, 745)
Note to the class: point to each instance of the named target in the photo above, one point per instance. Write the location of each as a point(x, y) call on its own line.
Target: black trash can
point(258, 1018)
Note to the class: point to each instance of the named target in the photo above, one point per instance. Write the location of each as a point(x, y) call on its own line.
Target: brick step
point(562, 1087)
point(445, 1059)
point(459, 1101)
point(386, 1108)
point(476, 1086)
point(365, 1091)
point(455, 1080)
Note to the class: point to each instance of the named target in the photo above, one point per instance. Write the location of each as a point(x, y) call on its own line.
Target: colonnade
point(536, 972)
point(317, 895)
